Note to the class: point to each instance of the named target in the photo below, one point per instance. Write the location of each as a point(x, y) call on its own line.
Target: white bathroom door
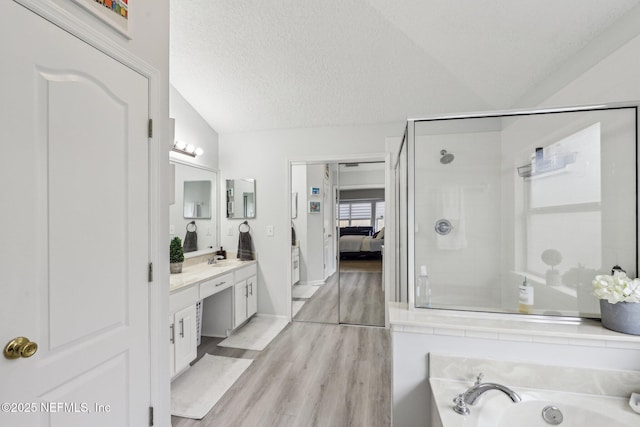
point(74, 217)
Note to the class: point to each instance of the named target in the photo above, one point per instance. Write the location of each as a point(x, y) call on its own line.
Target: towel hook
point(195, 227)
point(240, 227)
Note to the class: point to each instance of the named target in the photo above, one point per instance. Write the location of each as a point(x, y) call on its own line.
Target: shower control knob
point(443, 227)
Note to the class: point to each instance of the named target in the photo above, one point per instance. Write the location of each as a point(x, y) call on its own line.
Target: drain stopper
point(552, 415)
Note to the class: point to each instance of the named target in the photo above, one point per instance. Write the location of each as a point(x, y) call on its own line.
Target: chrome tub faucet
point(474, 392)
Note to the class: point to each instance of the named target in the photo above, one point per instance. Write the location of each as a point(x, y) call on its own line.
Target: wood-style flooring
point(322, 307)
point(311, 375)
point(361, 298)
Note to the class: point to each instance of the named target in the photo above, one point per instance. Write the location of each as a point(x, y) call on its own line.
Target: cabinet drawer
point(183, 299)
point(245, 272)
point(215, 285)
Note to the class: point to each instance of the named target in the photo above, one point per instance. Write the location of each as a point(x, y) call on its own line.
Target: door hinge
point(150, 130)
point(150, 272)
point(150, 416)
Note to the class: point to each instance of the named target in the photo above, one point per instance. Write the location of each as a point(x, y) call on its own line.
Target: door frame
point(343, 158)
point(158, 179)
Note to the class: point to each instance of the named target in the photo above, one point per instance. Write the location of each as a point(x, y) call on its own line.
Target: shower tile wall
point(463, 265)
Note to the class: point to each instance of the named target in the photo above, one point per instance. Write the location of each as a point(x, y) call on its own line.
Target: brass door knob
point(20, 347)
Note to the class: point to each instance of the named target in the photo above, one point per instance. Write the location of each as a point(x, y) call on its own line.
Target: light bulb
point(190, 148)
point(180, 145)
point(199, 151)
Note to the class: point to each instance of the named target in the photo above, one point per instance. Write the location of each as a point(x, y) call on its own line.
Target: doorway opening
point(337, 221)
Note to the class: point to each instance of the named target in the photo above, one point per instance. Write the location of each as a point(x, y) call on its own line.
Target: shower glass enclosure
point(494, 199)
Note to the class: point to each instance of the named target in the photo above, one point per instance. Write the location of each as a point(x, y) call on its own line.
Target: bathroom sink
point(564, 409)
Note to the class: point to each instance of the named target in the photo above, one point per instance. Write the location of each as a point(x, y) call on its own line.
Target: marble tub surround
point(614, 383)
point(193, 274)
point(504, 327)
point(605, 391)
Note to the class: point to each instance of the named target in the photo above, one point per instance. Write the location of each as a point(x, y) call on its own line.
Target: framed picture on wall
point(315, 191)
point(114, 13)
point(314, 207)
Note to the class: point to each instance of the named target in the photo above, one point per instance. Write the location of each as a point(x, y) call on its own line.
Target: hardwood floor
point(322, 307)
point(361, 296)
point(361, 299)
point(311, 375)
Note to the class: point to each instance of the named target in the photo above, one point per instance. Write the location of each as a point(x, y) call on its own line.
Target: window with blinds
point(361, 214)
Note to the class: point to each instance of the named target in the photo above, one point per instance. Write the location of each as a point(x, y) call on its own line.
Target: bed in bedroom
point(361, 242)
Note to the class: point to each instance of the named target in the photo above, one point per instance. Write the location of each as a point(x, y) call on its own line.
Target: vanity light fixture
point(187, 149)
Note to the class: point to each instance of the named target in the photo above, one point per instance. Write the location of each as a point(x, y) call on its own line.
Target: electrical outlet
point(209, 231)
point(230, 232)
point(172, 229)
point(270, 230)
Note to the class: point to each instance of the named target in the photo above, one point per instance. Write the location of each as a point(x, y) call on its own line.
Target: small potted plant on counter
point(619, 301)
point(176, 256)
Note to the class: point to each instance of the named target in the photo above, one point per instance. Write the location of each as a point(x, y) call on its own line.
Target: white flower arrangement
point(616, 288)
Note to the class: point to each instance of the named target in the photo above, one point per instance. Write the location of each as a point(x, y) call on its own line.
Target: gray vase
point(175, 267)
point(621, 317)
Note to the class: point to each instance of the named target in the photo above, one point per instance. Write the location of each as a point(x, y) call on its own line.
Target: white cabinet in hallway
point(245, 294)
point(183, 339)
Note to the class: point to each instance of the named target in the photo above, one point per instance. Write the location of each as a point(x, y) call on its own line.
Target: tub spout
point(471, 396)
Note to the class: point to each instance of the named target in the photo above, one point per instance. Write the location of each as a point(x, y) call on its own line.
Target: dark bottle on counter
point(222, 253)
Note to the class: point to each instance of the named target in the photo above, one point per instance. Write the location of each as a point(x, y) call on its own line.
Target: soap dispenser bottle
point(222, 253)
point(423, 290)
point(526, 298)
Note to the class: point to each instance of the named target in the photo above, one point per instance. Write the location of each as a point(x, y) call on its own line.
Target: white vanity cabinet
point(183, 348)
point(245, 294)
point(229, 296)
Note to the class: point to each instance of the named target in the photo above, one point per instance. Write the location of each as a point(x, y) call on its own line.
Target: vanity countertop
point(197, 273)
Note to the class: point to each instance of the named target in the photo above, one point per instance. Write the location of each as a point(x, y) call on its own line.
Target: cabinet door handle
point(219, 284)
point(251, 288)
point(172, 336)
point(181, 328)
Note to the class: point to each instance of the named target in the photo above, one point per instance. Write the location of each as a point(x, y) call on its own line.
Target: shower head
point(446, 157)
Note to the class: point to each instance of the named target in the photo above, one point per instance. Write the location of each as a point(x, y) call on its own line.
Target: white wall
point(299, 185)
point(308, 225)
point(191, 128)
point(362, 178)
point(314, 253)
point(265, 156)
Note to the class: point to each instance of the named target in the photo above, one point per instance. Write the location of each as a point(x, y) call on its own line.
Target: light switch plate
point(172, 229)
point(269, 230)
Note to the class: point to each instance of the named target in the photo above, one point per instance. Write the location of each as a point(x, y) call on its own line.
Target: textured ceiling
point(273, 64)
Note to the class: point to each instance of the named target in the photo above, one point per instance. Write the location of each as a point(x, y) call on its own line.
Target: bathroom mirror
point(545, 198)
point(241, 198)
point(197, 199)
point(191, 184)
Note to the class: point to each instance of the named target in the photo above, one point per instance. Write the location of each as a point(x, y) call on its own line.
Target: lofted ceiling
point(250, 65)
